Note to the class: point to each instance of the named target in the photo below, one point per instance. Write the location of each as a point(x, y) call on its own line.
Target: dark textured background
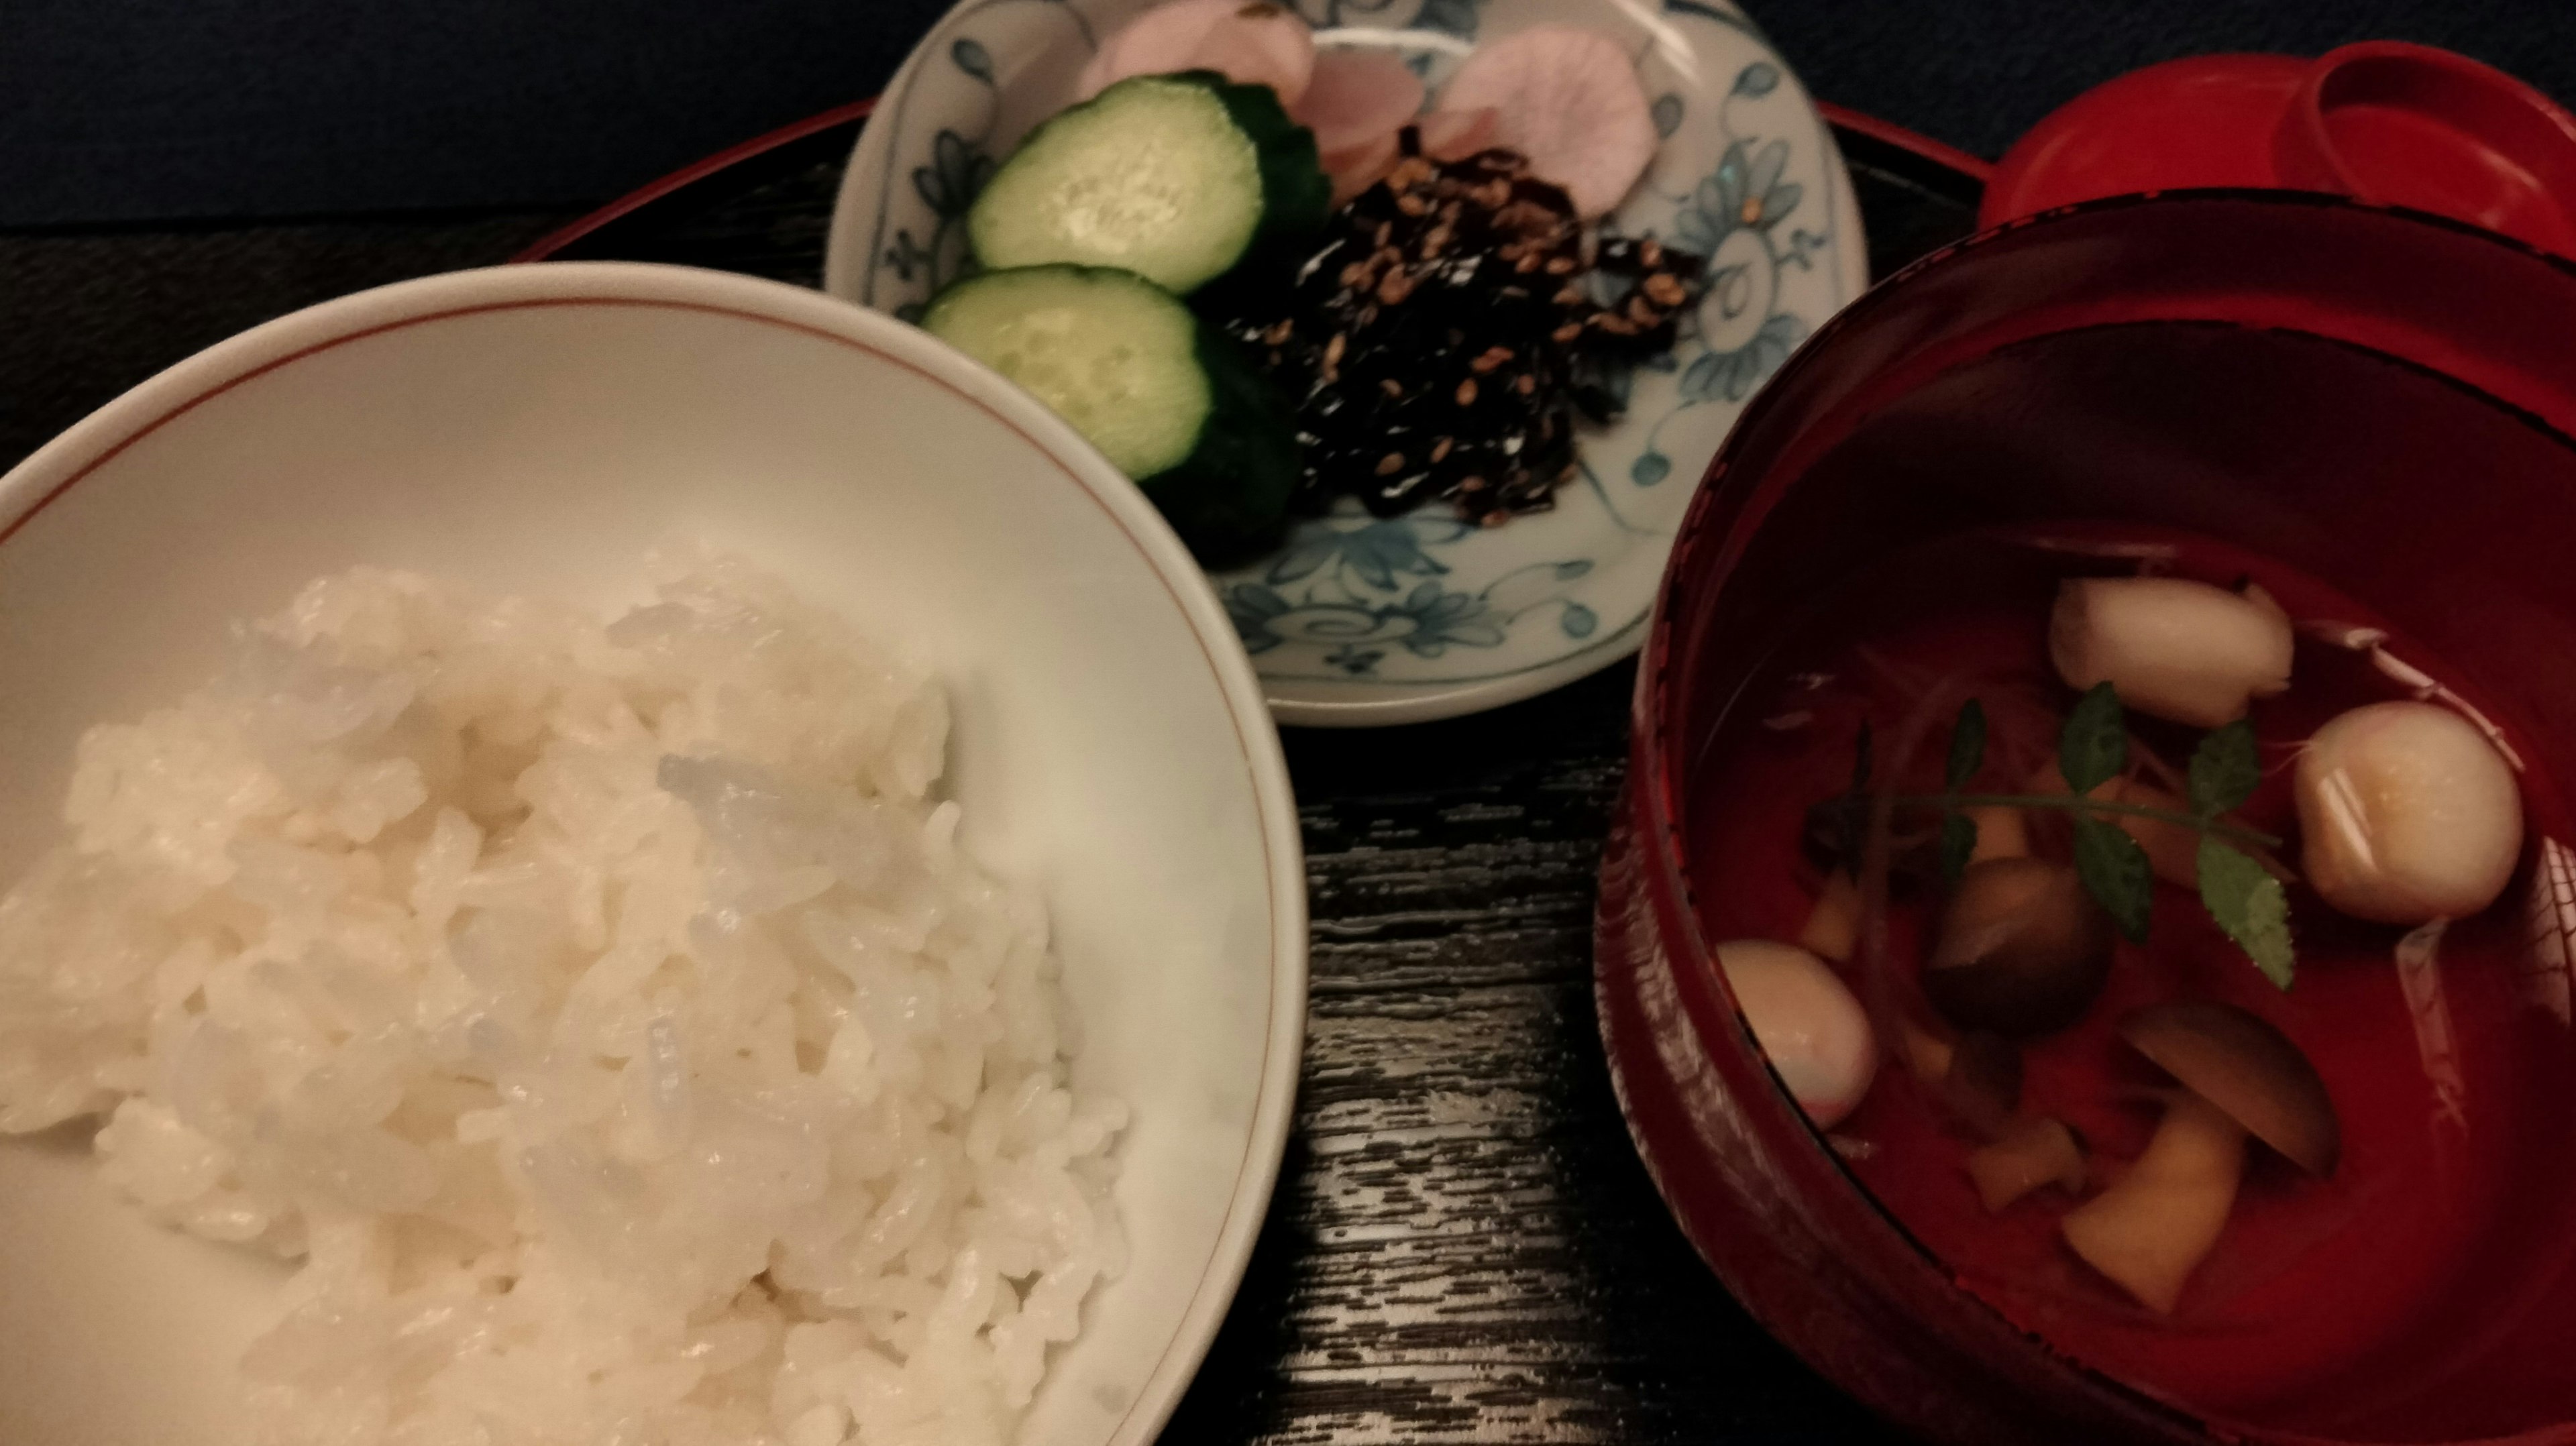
point(146, 110)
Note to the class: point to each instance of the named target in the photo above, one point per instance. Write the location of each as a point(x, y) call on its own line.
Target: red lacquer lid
point(2382, 121)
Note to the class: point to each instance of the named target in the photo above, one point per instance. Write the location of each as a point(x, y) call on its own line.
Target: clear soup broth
point(2427, 1274)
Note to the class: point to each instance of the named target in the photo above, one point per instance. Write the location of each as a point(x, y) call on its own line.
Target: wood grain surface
point(1463, 1246)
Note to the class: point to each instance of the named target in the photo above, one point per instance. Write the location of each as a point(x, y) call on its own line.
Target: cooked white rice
point(604, 1014)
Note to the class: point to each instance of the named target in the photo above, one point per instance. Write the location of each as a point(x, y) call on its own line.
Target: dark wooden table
point(1463, 1247)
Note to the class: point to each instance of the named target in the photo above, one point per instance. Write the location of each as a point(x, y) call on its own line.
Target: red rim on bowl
point(545, 247)
point(2455, 318)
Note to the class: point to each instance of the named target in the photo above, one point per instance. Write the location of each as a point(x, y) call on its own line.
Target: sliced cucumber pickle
point(1168, 400)
point(1174, 177)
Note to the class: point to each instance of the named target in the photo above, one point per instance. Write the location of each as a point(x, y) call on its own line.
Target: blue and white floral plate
point(1361, 621)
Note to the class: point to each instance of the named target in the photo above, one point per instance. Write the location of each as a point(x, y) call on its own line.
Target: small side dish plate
point(1357, 620)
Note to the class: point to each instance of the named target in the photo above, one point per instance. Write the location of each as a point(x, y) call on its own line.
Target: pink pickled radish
point(1249, 41)
point(1454, 135)
point(1442, 136)
point(1156, 42)
point(1261, 44)
point(1570, 101)
point(1356, 97)
point(1356, 168)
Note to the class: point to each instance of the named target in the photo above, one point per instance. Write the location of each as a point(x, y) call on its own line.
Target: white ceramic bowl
point(538, 429)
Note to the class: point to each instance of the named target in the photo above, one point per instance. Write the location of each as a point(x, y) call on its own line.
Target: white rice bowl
point(603, 1014)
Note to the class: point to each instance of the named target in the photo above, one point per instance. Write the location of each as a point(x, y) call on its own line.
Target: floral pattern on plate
point(1364, 619)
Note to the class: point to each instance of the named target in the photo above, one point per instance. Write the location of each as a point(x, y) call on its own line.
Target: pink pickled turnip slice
point(1442, 136)
point(1102, 72)
point(1356, 168)
point(1356, 97)
point(1156, 42)
point(1248, 41)
point(1261, 44)
point(1569, 100)
point(1454, 135)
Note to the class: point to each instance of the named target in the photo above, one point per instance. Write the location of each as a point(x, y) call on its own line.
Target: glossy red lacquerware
point(2206, 120)
point(2381, 121)
point(2372, 398)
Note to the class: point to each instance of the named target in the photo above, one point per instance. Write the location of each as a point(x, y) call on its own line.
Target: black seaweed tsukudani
point(1440, 340)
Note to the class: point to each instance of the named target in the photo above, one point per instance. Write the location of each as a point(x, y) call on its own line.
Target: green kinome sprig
point(2092, 749)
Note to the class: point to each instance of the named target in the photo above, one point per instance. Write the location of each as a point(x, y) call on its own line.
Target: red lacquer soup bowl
point(2376, 399)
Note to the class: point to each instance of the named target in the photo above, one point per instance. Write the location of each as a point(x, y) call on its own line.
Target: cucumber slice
point(1167, 399)
point(1107, 351)
point(1174, 177)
